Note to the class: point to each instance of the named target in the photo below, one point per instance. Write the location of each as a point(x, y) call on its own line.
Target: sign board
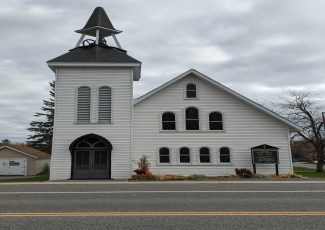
point(265, 156)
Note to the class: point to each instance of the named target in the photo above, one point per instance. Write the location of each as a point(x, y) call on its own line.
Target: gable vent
point(105, 105)
point(83, 111)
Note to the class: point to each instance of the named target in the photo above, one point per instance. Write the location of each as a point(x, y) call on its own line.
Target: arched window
point(168, 121)
point(164, 155)
point(104, 105)
point(215, 121)
point(190, 91)
point(83, 105)
point(204, 155)
point(224, 155)
point(192, 119)
point(184, 155)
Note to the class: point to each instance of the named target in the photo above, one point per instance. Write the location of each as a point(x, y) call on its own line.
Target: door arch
point(91, 157)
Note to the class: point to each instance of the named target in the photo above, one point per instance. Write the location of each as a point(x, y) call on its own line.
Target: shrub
point(143, 163)
point(196, 177)
point(244, 173)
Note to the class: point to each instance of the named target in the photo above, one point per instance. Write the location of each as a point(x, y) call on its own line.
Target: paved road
point(216, 205)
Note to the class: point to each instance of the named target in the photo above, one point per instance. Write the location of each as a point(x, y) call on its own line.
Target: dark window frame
point(190, 91)
point(204, 158)
point(224, 155)
point(184, 157)
point(192, 120)
point(216, 123)
point(164, 155)
point(165, 123)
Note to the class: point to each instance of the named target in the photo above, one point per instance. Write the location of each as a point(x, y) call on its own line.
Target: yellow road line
point(107, 214)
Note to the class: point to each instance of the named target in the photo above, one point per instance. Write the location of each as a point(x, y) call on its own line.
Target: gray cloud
point(258, 48)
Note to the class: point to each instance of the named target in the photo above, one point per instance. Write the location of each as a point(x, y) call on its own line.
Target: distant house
point(22, 160)
point(189, 125)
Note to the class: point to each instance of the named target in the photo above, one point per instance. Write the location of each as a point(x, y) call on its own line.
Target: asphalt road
point(129, 205)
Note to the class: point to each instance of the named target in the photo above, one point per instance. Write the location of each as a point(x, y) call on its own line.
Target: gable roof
point(29, 151)
point(293, 127)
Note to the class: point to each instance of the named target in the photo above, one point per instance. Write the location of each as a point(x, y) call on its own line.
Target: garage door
point(13, 166)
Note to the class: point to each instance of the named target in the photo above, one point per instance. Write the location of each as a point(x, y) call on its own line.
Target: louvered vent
point(104, 105)
point(83, 113)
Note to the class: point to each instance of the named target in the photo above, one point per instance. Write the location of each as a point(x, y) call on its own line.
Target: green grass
point(311, 173)
point(38, 178)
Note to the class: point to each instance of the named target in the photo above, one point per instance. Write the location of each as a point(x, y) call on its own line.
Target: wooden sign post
point(265, 154)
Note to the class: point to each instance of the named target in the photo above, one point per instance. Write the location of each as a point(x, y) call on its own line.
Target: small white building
point(189, 125)
point(17, 160)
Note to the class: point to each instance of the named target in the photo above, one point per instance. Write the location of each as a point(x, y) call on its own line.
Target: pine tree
point(43, 128)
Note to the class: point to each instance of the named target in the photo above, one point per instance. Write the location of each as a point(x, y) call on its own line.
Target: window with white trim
point(104, 105)
point(204, 155)
point(215, 121)
point(192, 119)
point(168, 121)
point(83, 104)
point(184, 155)
point(191, 91)
point(164, 155)
point(224, 155)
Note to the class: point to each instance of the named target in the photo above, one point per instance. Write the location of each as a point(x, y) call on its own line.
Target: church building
point(189, 125)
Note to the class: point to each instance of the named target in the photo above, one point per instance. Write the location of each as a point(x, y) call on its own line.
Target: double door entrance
point(91, 157)
point(92, 164)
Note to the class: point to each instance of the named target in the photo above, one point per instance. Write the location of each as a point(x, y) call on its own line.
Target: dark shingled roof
point(99, 20)
point(95, 53)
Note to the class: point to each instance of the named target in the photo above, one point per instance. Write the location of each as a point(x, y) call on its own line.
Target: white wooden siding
point(244, 128)
point(66, 130)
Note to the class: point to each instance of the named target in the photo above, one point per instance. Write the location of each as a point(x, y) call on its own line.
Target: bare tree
point(302, 108)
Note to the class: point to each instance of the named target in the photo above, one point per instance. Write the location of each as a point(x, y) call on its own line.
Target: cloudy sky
point(257, 48)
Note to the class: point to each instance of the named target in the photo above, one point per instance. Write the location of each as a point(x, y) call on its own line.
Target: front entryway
point(91, 158)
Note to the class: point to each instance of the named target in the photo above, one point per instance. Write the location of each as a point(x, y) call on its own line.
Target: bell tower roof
point(96, 52)
point(98, 21)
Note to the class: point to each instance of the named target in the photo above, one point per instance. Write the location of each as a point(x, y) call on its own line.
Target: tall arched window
point(83, 105)
point(184, 155)
point(168, 121)
point(164, 155)
point(105, 105)
point(215, 121)
point(204, 155)
point(224, 155)
point(192, 119)
point(191, 91)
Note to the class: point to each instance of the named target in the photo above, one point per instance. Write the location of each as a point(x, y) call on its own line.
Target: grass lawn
point(38, 178)
point(305, 172)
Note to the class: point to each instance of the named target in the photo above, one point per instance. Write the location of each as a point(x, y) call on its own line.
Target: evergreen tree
point(43, 128)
